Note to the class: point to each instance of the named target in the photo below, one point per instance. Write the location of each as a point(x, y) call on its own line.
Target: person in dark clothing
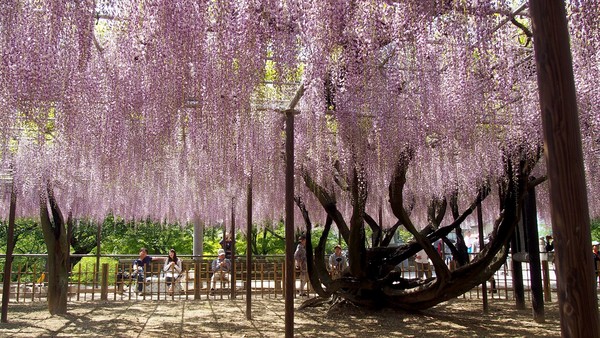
point(141, 266)
point(549, 243)
point(596, 263)
point(461, 247)
point(227, 244)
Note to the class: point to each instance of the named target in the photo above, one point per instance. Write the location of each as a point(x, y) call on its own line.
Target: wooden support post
point(289, 224)
point(546, 278)
point(249, 251)
point(577, 298)
point(535, 273)
point(517, 275)
point(10, 245)
point(104, 282)
point(198, 250)
point(481, 243)
point(232, 234)
point(198, 278)
point(69, 241)
point(98, 246)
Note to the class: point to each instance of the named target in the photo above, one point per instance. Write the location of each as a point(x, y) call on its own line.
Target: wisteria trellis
point(164, 108)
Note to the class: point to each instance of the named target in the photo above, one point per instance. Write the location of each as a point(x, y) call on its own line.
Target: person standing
point(301, 264)
point(549, 244)
point(542, 246)
point(227, 244)
point(423, 267)
point(337, 263)
point(172, 269)
point(596, 263)
point(448, 255)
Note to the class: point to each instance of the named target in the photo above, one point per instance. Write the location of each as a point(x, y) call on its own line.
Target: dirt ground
point(227, 318)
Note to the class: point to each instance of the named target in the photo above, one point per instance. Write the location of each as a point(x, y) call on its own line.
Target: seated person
point(221, 267)
point(337, 263)
point(172, 269)
point(141, 266)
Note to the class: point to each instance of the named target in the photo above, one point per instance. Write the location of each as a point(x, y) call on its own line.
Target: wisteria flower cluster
point(167, 108)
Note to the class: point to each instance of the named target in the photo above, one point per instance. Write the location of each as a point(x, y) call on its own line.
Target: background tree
point(55, 236)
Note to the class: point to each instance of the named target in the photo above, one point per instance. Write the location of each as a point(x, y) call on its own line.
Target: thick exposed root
point(314, 302)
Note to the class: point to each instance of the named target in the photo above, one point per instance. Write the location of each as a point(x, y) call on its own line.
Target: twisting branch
point(405, 252)
point(339, 178)
point(57, 217)
point(320, 258)
point(389, 234)
point(436, 211)
point(329, 204)
point(376, 228)
point(311, 262)
point(396, 188)
point(521, 26)
point(356, 245)
point(537, 181)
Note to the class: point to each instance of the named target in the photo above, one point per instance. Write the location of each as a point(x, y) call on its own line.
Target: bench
point(154, 280)
point(266, 275)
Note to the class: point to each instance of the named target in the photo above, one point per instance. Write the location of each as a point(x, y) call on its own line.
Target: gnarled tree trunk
point(55, 236)
point(372, 279)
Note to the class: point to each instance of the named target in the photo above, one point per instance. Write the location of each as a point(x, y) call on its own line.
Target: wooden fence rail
point(117, 281)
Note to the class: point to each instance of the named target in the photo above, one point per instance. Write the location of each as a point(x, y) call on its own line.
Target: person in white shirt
point(423, 266)
point(221, 267)
point(172, 269)
point(337, 263)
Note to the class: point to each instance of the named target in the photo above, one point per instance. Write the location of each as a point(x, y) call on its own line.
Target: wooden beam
point(249, 251)
point(10, 245)
point(290, 277)
point(577, 298)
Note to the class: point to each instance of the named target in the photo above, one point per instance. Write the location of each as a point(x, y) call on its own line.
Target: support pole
point(10, 246)
point(289, 224)
point(481, 243)
point(517, 274)
point(198, 254)
point(69, 240)
point(104, 282)
point(535, 272)
point(249, 251)
point(98, 246)
point(546, 281)
point(198, 238)
point(577, 298)
point(232, 233)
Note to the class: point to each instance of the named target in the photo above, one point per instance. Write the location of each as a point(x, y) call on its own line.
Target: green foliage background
point(595, 227)
point(120, 237)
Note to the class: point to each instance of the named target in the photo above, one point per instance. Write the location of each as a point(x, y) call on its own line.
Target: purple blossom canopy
point(166, 108)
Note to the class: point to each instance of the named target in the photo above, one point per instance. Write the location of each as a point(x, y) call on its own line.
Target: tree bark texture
point(55, 236)
point(578, 303)
point(10, 246)
point(375, 282)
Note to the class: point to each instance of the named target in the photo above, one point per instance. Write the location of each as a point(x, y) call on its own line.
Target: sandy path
point(227, 318)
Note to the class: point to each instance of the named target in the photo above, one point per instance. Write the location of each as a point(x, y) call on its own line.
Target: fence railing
point(114, 279)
